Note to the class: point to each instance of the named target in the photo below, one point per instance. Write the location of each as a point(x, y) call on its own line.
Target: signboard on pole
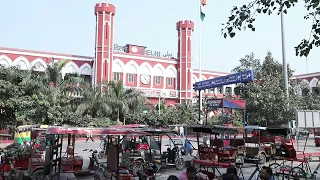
point(242, 77)
point(308, 119)
point(214, 102)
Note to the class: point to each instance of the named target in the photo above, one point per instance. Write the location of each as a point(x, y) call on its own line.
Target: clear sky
point(68, 26)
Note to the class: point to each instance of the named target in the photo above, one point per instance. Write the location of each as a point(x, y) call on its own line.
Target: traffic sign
point(241, 77)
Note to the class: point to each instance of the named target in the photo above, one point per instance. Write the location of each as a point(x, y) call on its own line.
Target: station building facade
point(155, 73)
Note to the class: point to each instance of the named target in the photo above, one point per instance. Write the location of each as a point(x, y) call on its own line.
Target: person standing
point(89, 135)
point(176, 129)
point(188, 146)
point(181, 131)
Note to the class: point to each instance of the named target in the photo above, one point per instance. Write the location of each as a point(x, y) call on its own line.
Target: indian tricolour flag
point(202, 9)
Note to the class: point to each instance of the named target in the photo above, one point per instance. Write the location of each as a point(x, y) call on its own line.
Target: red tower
point(104, 43)
point(184, 66)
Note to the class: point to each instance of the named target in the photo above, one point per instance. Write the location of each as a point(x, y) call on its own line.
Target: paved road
point(247, 168)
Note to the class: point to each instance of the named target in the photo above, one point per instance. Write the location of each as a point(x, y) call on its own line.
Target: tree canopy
point(244, 16)
point(267, 103)
point(53, 98)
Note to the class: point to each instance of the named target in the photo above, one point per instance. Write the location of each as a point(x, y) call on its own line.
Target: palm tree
point(53, 72)
point(93, 103)
point(123, 99)
point(188, 112)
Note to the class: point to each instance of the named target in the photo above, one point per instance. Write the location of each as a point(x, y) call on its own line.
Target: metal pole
point(206, 111)
point(159, 103)
point(199, 91)
point(307, 65)
point(200, 53)
point(284, 61)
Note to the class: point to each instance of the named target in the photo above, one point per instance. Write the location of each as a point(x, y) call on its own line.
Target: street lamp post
point(284, 60)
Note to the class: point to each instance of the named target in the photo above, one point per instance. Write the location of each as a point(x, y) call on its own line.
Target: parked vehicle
point(259, 145)
point(303, 132)
point(25, 159)
point(172, 155)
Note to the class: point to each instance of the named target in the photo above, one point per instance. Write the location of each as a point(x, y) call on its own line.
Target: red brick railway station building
point(156, 74)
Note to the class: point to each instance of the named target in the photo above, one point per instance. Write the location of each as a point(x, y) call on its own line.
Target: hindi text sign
point(143, 51)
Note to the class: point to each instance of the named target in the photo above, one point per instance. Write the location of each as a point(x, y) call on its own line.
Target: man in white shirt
point(181, 131)
point(176, 129)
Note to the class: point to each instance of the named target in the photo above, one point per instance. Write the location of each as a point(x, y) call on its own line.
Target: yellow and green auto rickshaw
point(23, 133)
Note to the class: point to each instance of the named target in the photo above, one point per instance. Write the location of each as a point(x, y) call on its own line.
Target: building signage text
point(144, 52)
point(159, 93)
point(214, 102)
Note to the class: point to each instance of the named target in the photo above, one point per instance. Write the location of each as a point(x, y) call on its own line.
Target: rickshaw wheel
point(135, 167)
point(101, 155)
point(239, 160)
point(317, 144)
point(180, 164)
point(38, 175)
point(276, 170)
point(262, 158)
point(297, 172)
point(15, 175)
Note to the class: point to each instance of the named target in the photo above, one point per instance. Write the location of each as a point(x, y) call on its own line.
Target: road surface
point(247, 168)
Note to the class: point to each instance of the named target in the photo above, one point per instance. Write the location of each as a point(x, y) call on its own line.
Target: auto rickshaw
point(25, 159)
point(25, 136)
point(172, 156)
point(1, 154)
point(133, 142)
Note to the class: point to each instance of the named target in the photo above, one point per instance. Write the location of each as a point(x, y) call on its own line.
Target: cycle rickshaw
point(290, 163)
point(68, 165)
point(216, 155)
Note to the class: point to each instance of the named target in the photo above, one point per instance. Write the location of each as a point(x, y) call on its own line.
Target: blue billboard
point(241, 77)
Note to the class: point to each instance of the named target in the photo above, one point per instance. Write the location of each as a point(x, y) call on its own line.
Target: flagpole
point(200, 54)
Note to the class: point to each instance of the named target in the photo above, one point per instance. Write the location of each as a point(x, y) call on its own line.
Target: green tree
point(244, 16)
point(40, 97)
point(10, 78)
point(188, 112)
point(122, 99)
point(93, 103)
point(267, 103)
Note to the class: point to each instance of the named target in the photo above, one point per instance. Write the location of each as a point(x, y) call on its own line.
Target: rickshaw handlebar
point(90, 150)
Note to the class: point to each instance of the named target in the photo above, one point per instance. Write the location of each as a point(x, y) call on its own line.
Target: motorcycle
point(173, 158)
point(134, 161)
point(94, 163)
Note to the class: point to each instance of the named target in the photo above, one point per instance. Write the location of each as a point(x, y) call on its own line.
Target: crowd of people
point(231, 174)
